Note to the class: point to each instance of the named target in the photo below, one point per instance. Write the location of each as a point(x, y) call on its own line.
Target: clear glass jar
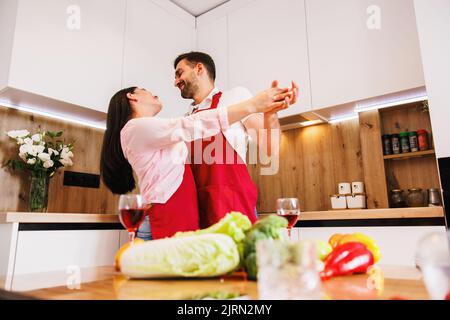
point(397, 199)
point(414, 198)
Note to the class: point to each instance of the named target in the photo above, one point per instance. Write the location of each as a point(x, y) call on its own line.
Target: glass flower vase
point(38, 197)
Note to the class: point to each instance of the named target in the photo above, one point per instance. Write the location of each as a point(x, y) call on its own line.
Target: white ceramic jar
point(358, 187)
point(344, 188)
point(356, 201)
point(338, 202)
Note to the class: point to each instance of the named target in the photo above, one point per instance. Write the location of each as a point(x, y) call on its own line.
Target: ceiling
point(198, 7)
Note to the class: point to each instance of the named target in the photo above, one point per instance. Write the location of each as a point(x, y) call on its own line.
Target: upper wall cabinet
point(67, 50)
point(154, 38)
point(267, 41)
point(212, 38)
point(360, 49)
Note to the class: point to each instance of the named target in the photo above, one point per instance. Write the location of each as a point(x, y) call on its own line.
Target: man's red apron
point(222, 187)
point(179, 213)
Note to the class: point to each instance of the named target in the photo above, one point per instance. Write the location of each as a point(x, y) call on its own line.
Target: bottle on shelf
point(422, 137)
point(395, 144)
point(387, 144)
point(404, 142)
point(413, 143)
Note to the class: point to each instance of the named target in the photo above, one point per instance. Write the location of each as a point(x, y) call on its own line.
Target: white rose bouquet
point(39, 153)
point(42, 154)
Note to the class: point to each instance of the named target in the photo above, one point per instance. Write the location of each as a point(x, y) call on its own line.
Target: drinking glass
point(289, 209)
point(287, 270)
point(132, 213)
point(433, 259)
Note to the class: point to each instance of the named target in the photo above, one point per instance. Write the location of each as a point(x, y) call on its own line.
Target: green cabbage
point(199, 255)
point(234, 224)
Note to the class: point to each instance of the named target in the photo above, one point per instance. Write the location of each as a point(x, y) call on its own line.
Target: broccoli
point(266, 228)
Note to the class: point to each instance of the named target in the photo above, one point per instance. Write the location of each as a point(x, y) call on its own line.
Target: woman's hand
point(269, 101)
point(275, 99)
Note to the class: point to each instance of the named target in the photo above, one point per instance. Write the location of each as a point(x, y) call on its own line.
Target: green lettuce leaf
point(234, 224)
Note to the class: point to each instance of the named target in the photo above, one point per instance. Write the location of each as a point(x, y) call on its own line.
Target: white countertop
point(422, 212)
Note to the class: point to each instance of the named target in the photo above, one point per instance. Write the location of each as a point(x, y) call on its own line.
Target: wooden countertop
point(423, 212)
point(357, 214)
point(34, 217)
point(399, 282)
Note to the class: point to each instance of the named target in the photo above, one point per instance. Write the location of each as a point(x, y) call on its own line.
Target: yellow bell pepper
point(364, 239)
point(335, 238)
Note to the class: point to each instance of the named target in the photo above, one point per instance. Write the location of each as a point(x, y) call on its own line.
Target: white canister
point(344, 188)
point(356, 201)
point(358, 187)
point(338, 201)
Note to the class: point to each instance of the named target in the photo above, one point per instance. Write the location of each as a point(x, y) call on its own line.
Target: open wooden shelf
point(409, 155)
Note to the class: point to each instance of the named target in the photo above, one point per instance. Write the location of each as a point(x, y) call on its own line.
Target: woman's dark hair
point(115, 170)
point(195, 57)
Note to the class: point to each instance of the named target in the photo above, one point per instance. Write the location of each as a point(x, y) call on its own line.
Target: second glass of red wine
point(132, 213)
point(288, 208)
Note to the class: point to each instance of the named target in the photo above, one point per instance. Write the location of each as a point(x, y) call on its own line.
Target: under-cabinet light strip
point(56, 117)
point(346, 118)
point(391, 104)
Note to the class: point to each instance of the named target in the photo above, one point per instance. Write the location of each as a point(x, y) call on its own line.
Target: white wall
point(212, 38)
point(433, 24)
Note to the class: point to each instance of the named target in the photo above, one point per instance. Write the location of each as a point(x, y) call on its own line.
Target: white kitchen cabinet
point(433, 24)
point(43, 251)
point(27, 251)
point(397, 244)
point(212, 38)
point(67, 50)
point(360, 49)
point(154, 38)
point(267, 41)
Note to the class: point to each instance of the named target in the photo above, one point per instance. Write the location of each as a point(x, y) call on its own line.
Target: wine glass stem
point(289, 232)
point(131, 235)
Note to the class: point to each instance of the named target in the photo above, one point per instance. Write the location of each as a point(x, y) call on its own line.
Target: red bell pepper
point(347, 258)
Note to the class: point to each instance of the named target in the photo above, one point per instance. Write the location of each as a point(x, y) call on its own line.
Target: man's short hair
point(194, 57)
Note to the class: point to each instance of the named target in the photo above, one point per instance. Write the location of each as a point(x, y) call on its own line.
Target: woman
point(156, 149)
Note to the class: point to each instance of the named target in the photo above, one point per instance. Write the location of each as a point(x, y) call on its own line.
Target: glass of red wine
point(132, 213)
point(288, 208)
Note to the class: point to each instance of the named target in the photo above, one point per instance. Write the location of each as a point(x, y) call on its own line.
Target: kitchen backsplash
point(14, 187)
point(313, 160)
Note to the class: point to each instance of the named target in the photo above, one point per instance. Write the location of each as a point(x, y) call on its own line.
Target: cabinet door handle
point(368, 125)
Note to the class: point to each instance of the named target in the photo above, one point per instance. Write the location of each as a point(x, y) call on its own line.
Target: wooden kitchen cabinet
point(70, 51)
point(154, 37)
point(350, 59)
point(267, 41)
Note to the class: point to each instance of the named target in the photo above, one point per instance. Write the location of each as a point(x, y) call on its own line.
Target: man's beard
point(189, 90)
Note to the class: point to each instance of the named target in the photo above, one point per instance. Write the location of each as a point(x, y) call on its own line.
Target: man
point(223, 185)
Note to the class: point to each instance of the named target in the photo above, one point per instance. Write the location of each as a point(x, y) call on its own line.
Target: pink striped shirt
point(156, 149)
